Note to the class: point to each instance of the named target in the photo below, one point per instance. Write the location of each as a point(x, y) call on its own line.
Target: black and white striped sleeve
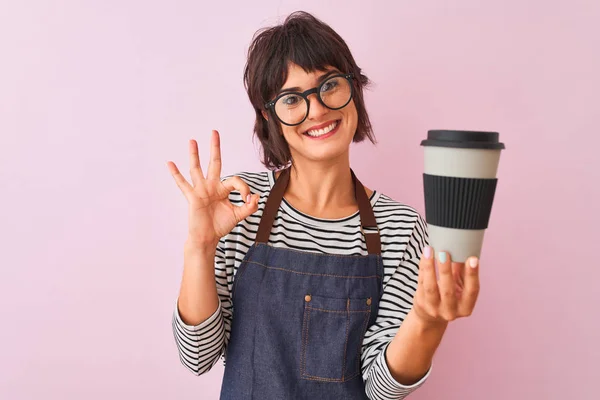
point(395, 304)
point(200, 346)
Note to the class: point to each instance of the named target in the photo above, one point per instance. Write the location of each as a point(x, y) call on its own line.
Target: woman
point(324, 289)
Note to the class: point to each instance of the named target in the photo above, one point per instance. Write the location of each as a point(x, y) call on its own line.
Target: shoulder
point(386, 204)
point(402, 228)
point(393, 214)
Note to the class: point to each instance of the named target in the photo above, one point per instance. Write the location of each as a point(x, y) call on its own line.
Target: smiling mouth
point(315, 133)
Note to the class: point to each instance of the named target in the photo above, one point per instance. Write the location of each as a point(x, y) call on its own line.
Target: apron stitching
point(340, 312)
point(254, 341)
point(305, 344)
point(312, 274)
point(317, 378)
point(238, 275)
point(346, 344)
point(363, 332)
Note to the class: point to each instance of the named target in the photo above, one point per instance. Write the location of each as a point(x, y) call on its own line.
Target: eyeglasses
point(291, 108)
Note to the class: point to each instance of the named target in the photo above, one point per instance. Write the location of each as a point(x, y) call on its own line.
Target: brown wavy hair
point(313, 45)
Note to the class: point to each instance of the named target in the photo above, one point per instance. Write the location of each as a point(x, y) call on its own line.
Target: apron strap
point(273, 202)
point(367, 218)
point(368, 227)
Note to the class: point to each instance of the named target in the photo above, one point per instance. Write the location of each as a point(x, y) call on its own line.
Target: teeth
point(321, 132)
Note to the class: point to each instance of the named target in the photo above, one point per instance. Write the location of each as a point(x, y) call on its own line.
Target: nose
point(317, 110)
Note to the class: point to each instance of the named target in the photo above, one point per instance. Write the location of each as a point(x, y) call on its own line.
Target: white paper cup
point(459, 183)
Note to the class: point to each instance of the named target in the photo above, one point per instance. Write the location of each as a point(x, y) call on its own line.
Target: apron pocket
point(332, 334)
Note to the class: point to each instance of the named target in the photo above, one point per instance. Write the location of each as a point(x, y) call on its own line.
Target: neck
point(322, 190)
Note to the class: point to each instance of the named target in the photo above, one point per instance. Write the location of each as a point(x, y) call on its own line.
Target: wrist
point(194, 247)
point(410, 354)
point(200, 258)
point(425, 325)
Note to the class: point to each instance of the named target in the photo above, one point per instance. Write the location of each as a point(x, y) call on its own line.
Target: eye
point(291, 100)
point(329, 85)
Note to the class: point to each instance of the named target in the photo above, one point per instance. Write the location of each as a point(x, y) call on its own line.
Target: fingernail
point(442, 256)
point(473, 262)
point(427, 252)
point(248, 198)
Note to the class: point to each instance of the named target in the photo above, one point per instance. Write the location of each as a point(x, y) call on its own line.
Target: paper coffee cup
point(459, 183)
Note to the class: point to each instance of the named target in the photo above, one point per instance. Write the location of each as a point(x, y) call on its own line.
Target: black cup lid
point(463, 139)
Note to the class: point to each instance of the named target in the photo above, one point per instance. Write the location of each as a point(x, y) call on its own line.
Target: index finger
point(427, 277)
point(181, 182)
point(214, 165)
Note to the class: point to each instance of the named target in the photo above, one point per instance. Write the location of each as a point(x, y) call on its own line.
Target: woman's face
point(325, 134)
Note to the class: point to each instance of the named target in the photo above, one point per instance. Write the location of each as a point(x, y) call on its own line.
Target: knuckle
point(418, 303)
point(448, 315)
point(430, 290)
point(472, 291)
point(465, 312)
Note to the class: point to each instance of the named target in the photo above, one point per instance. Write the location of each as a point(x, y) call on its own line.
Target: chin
point(327, 151)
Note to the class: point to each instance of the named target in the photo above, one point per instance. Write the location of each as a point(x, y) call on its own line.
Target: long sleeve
point(396, 302)
point(200, 346)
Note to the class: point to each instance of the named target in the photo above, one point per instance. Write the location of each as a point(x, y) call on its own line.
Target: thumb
point(250, 206)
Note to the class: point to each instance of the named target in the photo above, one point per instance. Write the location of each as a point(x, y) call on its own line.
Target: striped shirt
point(403, 234)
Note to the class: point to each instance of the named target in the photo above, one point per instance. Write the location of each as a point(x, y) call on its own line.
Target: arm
point(410, 354)
point(198, 321)
point(394, 327)
point(198, 293)
point(440, 298)
point(201, 345)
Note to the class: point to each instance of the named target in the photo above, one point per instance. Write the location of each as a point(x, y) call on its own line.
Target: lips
point(324, 133)
point(320, 126)
point(322, 129)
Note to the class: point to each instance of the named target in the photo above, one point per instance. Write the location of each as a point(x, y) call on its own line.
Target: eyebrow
point(319, 80)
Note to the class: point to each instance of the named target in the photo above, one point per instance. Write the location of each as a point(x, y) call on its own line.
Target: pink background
point(96, 96)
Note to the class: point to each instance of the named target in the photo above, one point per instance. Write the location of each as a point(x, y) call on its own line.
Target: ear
point(265, 116)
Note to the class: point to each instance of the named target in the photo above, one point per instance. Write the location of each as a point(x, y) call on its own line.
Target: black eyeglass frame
point(317, 90)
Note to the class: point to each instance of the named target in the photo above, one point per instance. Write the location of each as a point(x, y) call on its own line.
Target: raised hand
point(211, 214)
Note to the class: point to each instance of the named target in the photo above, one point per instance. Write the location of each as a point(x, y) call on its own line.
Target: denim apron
point(300, 317)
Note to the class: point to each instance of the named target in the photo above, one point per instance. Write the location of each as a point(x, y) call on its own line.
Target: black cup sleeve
point(460, 203)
